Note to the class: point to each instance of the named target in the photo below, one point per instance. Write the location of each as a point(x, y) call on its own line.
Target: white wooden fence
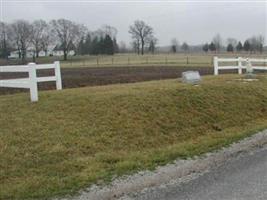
point(32, 81)
point(241, 63)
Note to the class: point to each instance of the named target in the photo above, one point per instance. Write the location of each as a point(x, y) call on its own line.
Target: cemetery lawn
point(73, 138)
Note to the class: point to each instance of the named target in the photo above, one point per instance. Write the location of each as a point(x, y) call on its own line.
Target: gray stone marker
point(249, 70)
point(192, 77)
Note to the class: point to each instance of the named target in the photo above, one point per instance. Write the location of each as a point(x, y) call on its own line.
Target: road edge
point(179, 171)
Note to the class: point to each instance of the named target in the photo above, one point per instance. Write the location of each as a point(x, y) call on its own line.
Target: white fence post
point(33, 82)
point(215, 63)
point(58, 75)
point(239, 65)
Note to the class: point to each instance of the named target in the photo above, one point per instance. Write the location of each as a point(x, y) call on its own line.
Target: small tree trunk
point(142, 50)
point(36, 50)
point(19, 53)
point(23, 54)
point(65, 55)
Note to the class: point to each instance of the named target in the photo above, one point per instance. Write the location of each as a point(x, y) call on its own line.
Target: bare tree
point(46, 40)
point(217, 40)
point(110, 30)
point(68, 33)
point(39, 35)
point(141, 32)
point(21, 34)
point(253, 44)
point(122, 47)
point(152, 45)
point(260, 39)
point(136, 46)
point(232, 41)
point(185, 47)
point(174, 45)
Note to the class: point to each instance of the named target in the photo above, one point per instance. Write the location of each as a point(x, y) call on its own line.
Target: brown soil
point(81, 77)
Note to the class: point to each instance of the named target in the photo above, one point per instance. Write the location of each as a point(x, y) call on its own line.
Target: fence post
point(211, 61)
point(239, 65)
point(215, 64)
point(33, 82)
point(187, 61)
point(58, 75)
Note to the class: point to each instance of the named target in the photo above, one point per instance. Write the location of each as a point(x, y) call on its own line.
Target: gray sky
point(195, 22)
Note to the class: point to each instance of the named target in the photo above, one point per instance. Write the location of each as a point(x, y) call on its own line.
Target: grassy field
point(190, 60)
point(76, 137)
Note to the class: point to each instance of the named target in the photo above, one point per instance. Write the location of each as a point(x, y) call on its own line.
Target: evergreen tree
point(101, 46)
point(80, 48)
point(4, 45)
point(247, 46)
point(88, 44)
point(230, 48)
point(4, 50)
point(108, 46)
point(94, 46)
point(185, 47)
point(239, 46)
point(205, 47)
point(173, 48)
point(115, 45)
point(212, 47)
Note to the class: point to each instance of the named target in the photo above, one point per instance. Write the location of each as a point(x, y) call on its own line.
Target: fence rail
point(239, 64)
point(32, 81)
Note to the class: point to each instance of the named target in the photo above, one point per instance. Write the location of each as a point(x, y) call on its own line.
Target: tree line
point(253, 44)
point(65, 35)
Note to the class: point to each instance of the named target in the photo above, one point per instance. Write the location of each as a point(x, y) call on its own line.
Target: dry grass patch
point(76, 137)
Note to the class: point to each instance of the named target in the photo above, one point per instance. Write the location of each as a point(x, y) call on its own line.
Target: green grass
point(179, 60)
point(76, 137)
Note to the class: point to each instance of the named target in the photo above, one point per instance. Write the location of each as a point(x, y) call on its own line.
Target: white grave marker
point(192, 77)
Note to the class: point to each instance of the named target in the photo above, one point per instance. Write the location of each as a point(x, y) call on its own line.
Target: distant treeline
point(60, 35)
point(253, 44)
point(97, 45)
point(65, 35)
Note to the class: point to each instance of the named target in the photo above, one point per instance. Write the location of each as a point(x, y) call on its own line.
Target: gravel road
point(243, 178)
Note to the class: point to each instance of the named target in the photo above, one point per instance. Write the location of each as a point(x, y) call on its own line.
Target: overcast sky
point(195, 22)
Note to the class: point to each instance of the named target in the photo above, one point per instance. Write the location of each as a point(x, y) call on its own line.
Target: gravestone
point(249, 70)
point(192, 77)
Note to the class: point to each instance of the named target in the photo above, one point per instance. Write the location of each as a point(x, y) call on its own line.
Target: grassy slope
point(75, 137)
